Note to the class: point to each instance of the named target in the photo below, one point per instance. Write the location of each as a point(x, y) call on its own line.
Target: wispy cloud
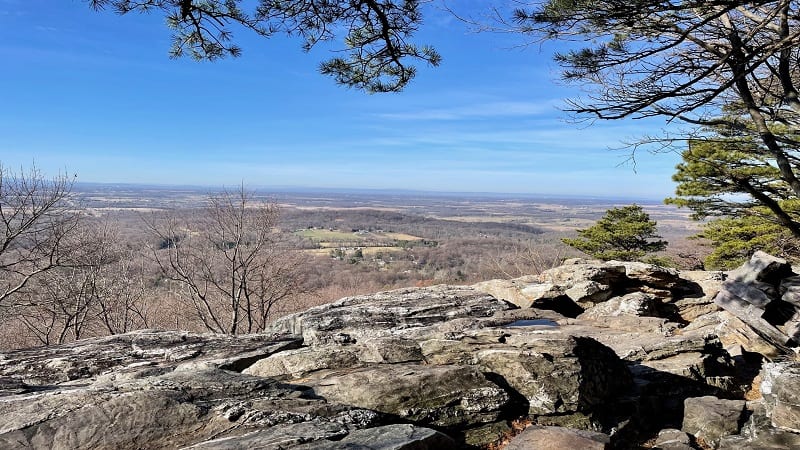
point(474, 111)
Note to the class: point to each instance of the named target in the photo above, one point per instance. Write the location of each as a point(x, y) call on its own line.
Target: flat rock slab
point(134, 354)
point(388, 313)
point(444, 395)
point(558, 438)
point(753, 317)
point(389, 437)
point(672, 439)
point(767, 439)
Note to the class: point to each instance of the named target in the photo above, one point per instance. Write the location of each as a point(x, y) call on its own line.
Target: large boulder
point(710, 418)
point(557, 374)
point(445, 396)
point(780, 387)
point(403, 312)
point(388, 437)
point(558, 438)
point(761, 267)
point(633, 304)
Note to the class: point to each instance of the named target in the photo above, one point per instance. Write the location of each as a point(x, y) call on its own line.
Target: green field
point(328, 235)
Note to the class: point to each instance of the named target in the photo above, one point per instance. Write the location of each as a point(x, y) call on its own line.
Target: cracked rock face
point(432, 368)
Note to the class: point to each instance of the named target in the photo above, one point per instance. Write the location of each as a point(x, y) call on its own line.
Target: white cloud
point(475, 111)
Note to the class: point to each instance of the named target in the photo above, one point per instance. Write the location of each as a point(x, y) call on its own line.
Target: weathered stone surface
point(279, 437)
point(557, 374)
point(710, 418)
point(732, 331)
point(633, 304)
point(709, 282)
point(672, 439)
point(398, 312)
point(296, 363)
point(523, 291)
point(443, 395)
point(526, 293)
point(136, 354)
point(691, 309)
point(762, 267)
point(587, 292)
point(650, 275)
point(767, 439)
point(790, 290)
point(558, 438)
point(389, 437)
point(370, 371)
point(578, 270)
point(752, 316)
point(780, 388)
point(753, 293)
point(389, 350)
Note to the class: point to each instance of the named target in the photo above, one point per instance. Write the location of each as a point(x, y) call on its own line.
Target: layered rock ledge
point(600, 355)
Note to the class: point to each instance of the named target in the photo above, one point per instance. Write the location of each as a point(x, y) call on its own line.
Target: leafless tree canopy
point(37, 221)
point(227, 262)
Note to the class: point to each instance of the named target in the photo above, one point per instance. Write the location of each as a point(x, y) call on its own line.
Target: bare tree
point(123, 295)
point(95, 293)
point(228, 262)
point(528, 257)
point(37, 219)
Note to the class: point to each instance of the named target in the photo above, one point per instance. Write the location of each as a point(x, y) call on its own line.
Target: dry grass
point(754, 393)
point(517, 427)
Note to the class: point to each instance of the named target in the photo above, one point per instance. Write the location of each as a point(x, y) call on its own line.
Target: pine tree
point(624, 234)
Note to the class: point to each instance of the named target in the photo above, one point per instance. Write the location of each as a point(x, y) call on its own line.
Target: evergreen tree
point(625, 234)
point(377, 33)
point(735, 239)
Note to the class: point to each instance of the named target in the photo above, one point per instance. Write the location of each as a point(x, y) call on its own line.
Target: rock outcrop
point(587, 355)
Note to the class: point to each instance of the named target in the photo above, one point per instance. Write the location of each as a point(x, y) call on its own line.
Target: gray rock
point(749, 292)
point(389, 351)
point(753, 317)
point(732, 331)
point(391, 313)
point(672, 439)
point(761, 267)
point(633, 304)
point(710, 418)
point(691, 309)
point(389, 437)
point(558, 438)
point(443, 395)
point(137, 354)
point(651, 275)
point(577, 271)
point(279, 437)
point(790, 290)
point(588, 292)
point(768, 439)
point(557, 374)
point(522, 292)
point(780, 388)
point(296, 363)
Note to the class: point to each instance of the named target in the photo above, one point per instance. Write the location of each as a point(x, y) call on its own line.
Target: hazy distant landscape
point(361, 241)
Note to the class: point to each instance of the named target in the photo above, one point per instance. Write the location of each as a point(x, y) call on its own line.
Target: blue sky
point(96, 94)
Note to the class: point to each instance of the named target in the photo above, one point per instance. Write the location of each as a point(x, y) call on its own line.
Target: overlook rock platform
point(586, 355)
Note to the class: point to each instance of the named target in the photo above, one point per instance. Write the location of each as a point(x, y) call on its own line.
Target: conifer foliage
point(624, 234)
